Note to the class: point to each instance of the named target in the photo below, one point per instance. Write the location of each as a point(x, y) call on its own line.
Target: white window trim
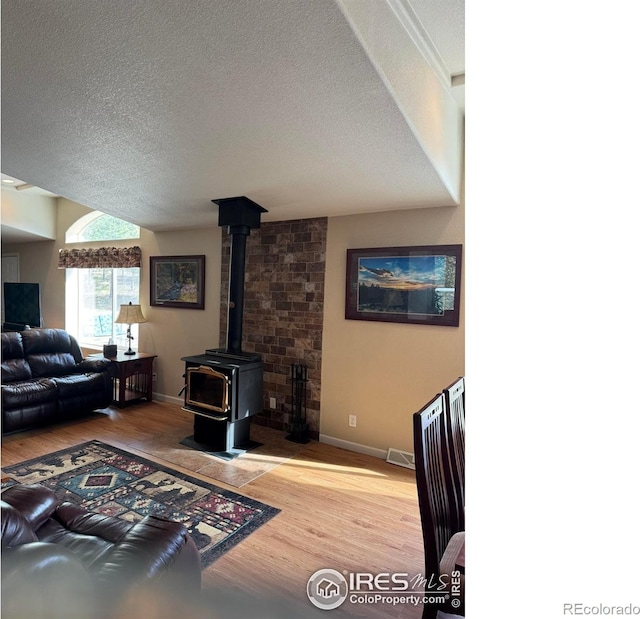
point(74, 231)
point(72, 314)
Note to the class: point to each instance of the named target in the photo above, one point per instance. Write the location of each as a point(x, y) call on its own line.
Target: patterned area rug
point(107, 480)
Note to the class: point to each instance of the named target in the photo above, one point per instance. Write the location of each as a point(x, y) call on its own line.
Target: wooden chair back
point(454, 396)
point(436, 497)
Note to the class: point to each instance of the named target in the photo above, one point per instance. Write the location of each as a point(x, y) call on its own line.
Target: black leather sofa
point(45, 379)
point(60, 561)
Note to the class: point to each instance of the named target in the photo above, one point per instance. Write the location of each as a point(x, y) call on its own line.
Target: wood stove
point(222, 394)
point(223, 386)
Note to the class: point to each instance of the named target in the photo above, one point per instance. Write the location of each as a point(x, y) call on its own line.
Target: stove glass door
point(207, 388)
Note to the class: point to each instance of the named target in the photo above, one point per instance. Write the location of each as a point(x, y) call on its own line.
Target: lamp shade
point(130, 315)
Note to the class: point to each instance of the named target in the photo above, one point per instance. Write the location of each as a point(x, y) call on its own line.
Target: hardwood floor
point(340, 510)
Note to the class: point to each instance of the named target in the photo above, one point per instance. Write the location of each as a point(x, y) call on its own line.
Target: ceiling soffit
point(149, 110)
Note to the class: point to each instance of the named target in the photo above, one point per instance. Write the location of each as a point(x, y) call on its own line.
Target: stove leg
point(221, 435)
point(240, 432)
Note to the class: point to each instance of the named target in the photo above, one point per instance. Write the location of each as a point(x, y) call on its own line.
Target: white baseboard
point(161, 397)
point(363, 449)
point(329, 440)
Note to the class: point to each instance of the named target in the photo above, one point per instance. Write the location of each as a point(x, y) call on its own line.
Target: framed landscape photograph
point(418, 285)
point(177, 281)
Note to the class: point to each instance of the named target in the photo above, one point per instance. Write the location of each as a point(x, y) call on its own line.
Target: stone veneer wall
point(283, 309)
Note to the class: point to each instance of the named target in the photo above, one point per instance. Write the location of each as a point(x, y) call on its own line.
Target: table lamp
point(130, 315)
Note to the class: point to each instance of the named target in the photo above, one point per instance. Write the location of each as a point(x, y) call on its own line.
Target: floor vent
point(401, 458)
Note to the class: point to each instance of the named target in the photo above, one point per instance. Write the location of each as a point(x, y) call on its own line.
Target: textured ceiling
point(150, 109)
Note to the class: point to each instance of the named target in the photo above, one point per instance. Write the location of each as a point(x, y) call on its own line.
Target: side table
point(133, 377)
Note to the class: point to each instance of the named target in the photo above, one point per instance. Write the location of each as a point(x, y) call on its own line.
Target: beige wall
point(383, 372)
point(174, 333)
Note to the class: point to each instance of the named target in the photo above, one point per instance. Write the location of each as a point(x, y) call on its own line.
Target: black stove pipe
point(240, 215)
point(235, 310)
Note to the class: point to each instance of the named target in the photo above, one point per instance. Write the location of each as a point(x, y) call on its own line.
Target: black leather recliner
point(45, 379)
point(59, 560)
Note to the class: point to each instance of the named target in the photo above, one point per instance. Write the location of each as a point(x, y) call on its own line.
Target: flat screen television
point(22, 305)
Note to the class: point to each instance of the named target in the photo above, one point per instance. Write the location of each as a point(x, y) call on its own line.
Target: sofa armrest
point(36, 503)
point(150, 549)
point(15, 529)
point(79, 520)
point(92, 365)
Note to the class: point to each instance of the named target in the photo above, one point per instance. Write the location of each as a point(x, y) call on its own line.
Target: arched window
point(98, 226)
point(94, 290)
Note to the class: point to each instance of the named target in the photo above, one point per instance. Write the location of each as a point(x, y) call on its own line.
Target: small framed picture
point(177, 281)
